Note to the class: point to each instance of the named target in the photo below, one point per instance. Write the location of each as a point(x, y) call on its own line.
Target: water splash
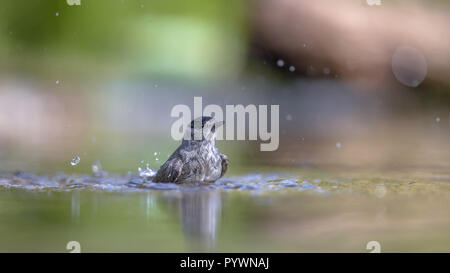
point(254, 183)
point(147, 172)
point(97, 169)
point(75, 161)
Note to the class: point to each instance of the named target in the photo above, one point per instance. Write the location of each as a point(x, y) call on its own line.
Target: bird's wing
point(225, 163)
point(170, 171)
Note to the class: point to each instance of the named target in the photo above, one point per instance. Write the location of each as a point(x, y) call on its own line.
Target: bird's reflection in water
point(200, 214)
point(75, 207)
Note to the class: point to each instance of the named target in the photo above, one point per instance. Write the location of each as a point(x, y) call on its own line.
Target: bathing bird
point(197, 159)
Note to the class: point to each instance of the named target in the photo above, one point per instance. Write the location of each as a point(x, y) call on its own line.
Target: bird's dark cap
point(204, 120)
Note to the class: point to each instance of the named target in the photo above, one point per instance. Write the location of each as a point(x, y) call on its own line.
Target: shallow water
point(290, 210)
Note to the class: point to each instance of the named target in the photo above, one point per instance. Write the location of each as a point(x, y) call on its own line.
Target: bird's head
point(202, 129)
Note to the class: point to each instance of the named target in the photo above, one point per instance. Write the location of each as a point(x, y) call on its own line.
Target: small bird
point(197, 159)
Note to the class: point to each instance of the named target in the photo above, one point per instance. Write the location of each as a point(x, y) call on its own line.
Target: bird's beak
point(219, 123)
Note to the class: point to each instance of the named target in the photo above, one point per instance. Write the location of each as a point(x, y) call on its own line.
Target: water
point(147, 172)
point(75, 161)
point(290, 210)
point(255, 183)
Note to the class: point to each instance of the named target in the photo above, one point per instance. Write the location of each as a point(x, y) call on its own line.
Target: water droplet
point(280, 63)
point(338, 145)
point(57, 81)
point(409, 66)
point(75, 161)
point(438, 119)
point(292, 68)
point(147, 172)
point(97, 168)
point(57, 14)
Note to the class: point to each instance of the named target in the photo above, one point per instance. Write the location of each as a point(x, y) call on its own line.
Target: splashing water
point(254, 183)
point(147, 172)
point(97, 169)
point(75, 161)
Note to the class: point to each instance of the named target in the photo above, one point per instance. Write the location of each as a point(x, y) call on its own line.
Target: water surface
point(290, 210)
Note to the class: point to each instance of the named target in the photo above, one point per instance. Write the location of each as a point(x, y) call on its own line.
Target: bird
point(197, 159)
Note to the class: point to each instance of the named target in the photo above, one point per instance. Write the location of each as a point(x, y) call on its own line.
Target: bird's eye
point(203, 122)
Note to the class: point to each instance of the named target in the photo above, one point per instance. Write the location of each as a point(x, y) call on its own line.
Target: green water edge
point(404, 210)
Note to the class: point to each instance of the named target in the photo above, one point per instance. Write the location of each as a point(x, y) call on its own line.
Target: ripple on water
point(255, 183)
